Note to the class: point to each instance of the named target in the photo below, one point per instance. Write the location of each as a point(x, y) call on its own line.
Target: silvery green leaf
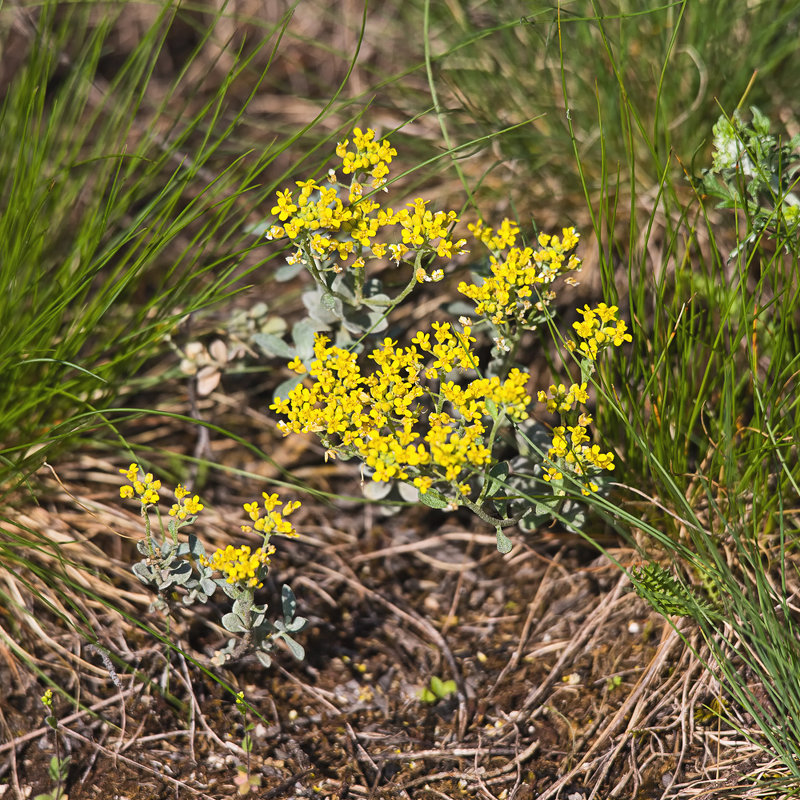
point(297, 624)
point(143, 547)
point(181, 573)
point(241, 605)
point(313, 303)
point(207, 586)
point(196, 547)
point(273, 345)
point(303, 334)
point(376, 490)
point(143, 572)
point(287, 271)
point(344, 284)
point(264, 658)
point(233, 623)
point(543, 509)
point(167, 549)
point(297, 650)
point(460, 308)
point(533, 439)
point(377, 300)
point(288, 602)
point(504, 544)
point(497, 478)
point(434, 499)
point(330, 302)
point(408, 492)
point(284, 388)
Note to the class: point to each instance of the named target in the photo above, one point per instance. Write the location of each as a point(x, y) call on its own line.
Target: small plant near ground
point(338, 231)
point(757, 172)
point(437, 690)
point(58, 770)
point(245, 781)
point(181, 569)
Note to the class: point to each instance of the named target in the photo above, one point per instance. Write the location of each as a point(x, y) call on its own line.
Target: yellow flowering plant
point(173, 567)
point(429, 416)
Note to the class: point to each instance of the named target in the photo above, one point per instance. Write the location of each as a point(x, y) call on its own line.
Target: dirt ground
point(566, 684)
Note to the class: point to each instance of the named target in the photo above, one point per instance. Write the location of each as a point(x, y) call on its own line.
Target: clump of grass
point(627, 70)
point(707, 411)
point(122, 217)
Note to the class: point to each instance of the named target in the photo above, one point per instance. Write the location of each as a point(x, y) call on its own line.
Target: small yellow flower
point(271, 501)
point(239, 565)
point(146, 488)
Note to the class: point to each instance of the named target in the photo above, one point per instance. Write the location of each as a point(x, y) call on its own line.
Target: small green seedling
point(437, 690)
point(59, 766)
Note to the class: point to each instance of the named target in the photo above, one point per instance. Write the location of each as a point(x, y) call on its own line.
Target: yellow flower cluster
point(140, 485)
point(239, 565)
point(517, 291)
point(369, 156)
point(186, 506)
point(381, 416)
point(326, 229)
point(599, 330)
point(274, 520)
point(561, 400)
point(568, 450)
point(572, 454)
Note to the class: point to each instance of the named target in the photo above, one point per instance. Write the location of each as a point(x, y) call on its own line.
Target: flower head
point(239, 565)
point(141, 485)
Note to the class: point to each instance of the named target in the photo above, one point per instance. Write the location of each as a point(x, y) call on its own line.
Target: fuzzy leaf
point(377, 490)
point(273, 345)
point(288, 603)
point(233, 623)
point(264, 658)
point(284, 388)
point(287, 271)
point(496, 478)
point(408, 492)
point(434, 499)
point(143, 572)
point(504, 544)
point(303, 334)
point(296, 649)
point(296, 625)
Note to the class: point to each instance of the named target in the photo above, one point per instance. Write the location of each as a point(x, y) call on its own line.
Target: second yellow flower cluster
point(401, 426)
